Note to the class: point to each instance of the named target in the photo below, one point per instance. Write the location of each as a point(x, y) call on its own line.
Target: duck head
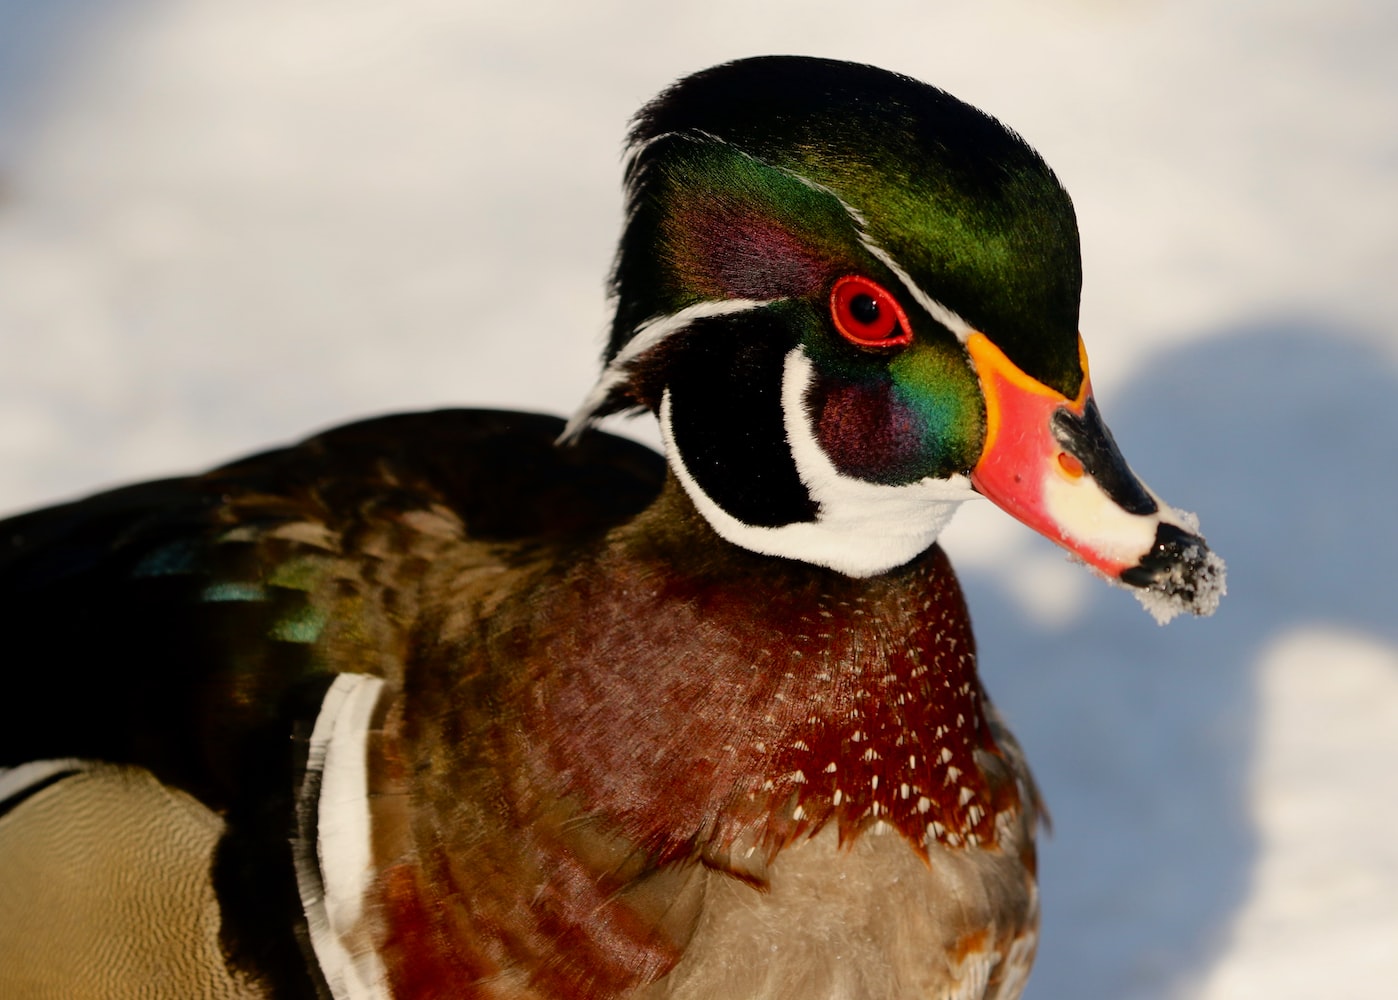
point(852, 302)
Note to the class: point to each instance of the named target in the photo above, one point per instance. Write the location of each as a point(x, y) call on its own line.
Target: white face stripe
point(942, 314)
point(334, 873)
point(939, 312)
point(949, 319)
point(862, 528)
point(646, 337)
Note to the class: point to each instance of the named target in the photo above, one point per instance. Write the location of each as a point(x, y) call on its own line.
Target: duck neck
point(703, 697)
point(852, 525)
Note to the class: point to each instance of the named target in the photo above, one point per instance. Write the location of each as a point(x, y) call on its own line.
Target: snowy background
point(224, 225)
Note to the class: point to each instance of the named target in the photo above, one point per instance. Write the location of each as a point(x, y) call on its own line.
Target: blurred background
point(224, 226)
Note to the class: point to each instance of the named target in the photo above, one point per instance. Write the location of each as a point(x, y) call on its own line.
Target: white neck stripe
point(862, 528)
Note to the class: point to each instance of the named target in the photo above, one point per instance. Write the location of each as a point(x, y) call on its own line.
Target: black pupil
point(864, 309)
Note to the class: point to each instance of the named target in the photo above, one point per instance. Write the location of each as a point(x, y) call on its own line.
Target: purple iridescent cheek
point(867, 433)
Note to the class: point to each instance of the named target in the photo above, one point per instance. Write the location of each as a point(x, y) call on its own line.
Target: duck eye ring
point(867, 314)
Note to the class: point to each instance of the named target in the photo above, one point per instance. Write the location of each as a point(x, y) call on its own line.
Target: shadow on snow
point(1284, 437)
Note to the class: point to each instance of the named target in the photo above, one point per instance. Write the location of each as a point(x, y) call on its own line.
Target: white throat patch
point(861, 528)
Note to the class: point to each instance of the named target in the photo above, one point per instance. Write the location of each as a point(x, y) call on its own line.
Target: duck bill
point(1051, 462)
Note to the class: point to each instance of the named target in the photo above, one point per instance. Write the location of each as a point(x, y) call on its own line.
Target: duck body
point(617, 834)
point(477, 704)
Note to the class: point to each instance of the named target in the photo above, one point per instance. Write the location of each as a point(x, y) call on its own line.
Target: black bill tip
point(1179, 573)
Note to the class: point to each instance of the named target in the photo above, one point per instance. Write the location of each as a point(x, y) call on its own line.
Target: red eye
point(866, 314)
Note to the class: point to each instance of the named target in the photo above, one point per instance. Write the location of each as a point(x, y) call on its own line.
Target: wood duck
point(483, 705)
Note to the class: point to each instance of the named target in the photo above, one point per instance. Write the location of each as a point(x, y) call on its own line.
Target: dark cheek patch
point(868, 434)
point(727, 421)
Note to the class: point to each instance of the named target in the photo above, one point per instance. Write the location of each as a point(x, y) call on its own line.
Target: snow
point(225, 225)
point(1313, 852)
point(1195, 585)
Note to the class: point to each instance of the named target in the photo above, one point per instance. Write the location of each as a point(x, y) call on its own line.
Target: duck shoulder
point(285, 567)
point(190, 628)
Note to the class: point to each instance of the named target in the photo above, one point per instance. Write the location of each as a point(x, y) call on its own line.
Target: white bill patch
point(1090, 518)
point(1093, 520)
point(334, 879)
point(861, 528)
